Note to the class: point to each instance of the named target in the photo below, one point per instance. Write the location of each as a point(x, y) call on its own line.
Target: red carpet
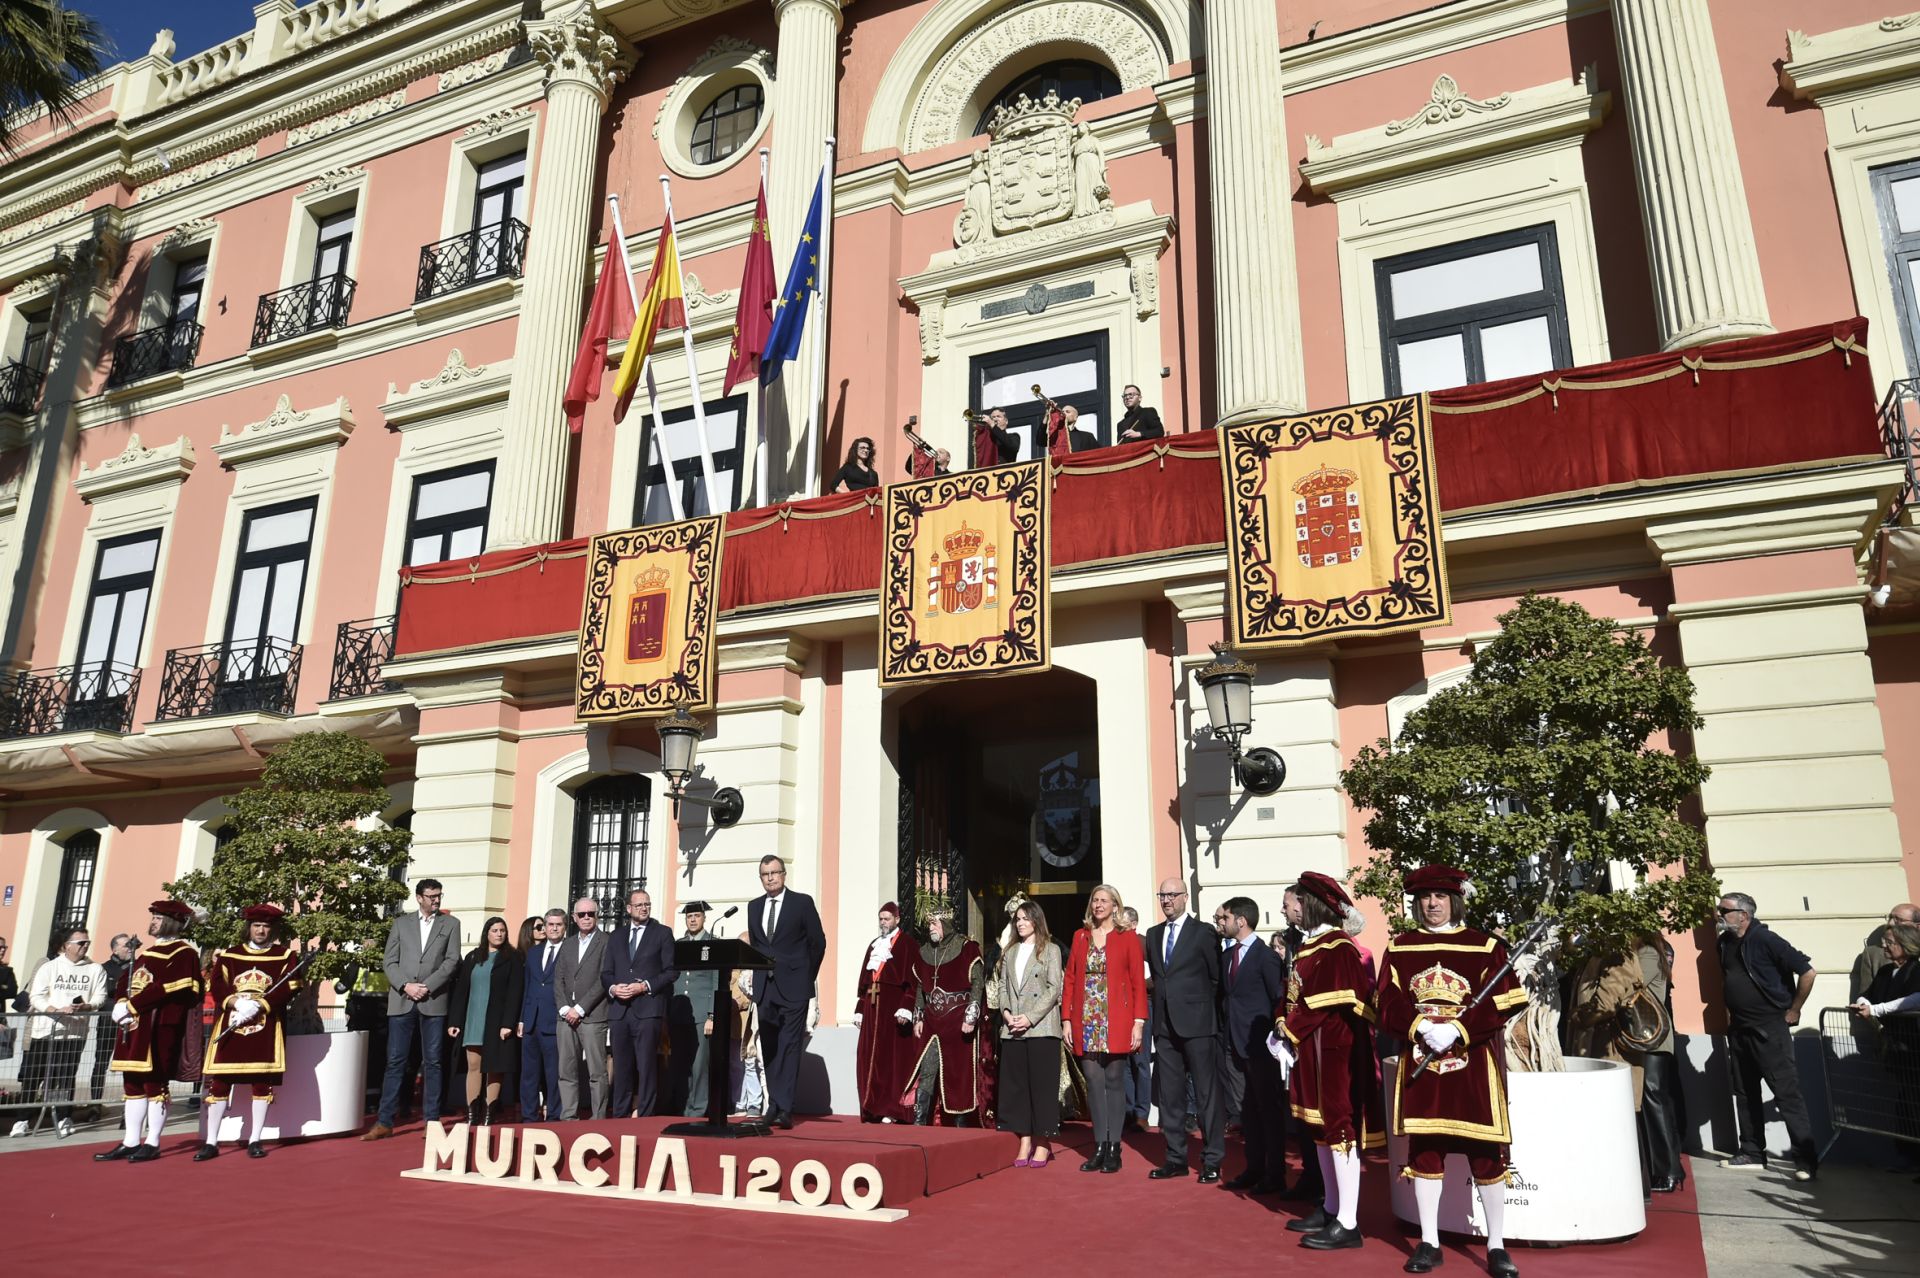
point(346, 1209)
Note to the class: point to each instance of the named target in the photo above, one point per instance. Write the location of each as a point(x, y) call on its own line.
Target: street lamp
point(680, 736)
point(1227, 683)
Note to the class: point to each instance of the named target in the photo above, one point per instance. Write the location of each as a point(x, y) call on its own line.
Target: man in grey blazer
point(580, 991)
point(423, 951)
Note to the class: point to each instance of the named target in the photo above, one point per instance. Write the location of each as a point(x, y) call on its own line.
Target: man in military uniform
point(950, 978)
point(1458, 1105)
point(251, 983)
point(882, 990)
point(154, 1010)
point(690, 1025)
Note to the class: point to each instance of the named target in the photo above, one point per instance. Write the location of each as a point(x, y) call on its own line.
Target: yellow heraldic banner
point(646, 631)
point(1333, 525)
point(965, 589)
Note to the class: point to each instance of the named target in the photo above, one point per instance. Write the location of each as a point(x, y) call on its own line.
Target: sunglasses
point(1730, 909)
point(586, 914)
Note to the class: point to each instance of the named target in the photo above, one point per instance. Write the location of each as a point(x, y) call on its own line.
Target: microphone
point(731, 911)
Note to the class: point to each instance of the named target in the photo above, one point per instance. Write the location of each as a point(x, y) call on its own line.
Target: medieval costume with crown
point(155, 1008)
point(883, 1006)
point(949, 978)
point(1429, 980)
point(1324, 1043)
point(251, 987)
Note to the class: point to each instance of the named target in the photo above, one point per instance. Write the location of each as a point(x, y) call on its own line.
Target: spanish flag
point(661, 306)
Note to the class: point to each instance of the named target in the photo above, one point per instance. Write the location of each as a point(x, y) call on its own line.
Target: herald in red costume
point(949, 976)
point(1328, 1021)
point(883, 998)
point(251, 985)
point(156, 1007)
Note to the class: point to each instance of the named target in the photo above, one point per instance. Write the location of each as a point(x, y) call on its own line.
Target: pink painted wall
point(1896, 686)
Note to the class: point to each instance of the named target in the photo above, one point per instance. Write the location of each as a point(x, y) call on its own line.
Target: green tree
point(46, 49)
point(1535, 772)
point(304, 840)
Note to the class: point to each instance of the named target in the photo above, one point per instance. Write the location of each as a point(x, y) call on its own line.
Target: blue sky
point(197, 25)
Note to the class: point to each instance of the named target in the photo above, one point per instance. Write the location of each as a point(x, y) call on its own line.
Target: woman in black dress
point(858, 473)
point(482, 1014)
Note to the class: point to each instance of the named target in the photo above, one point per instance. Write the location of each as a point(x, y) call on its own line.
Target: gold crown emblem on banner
point(966, 541)
point(252, 981)
point(1325, 480)
point(1438, 984)
point(654, 578)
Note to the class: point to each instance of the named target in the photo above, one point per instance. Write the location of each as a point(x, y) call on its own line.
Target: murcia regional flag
point(646, 627)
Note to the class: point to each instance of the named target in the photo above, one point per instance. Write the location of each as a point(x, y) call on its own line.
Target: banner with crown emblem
point(1333, 525)
point(646, 630)
point(965, 584)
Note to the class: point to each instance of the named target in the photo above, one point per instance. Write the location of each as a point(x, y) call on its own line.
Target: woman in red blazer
point(1103, 1011)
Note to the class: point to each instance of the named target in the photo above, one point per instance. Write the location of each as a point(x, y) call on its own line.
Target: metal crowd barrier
point(1873, 1072)
point(61, 1074)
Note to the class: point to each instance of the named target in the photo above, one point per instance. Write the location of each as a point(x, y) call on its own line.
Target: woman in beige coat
point(1028, 983)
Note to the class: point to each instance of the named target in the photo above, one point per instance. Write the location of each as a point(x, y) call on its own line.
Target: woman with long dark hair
point(858, 473)
point(483, 1011)
point(1029, 997)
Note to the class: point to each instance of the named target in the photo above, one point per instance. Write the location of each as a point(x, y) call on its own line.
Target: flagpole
point(760, 399)
point(659, 431)
point(816, 412)
point(693, 368)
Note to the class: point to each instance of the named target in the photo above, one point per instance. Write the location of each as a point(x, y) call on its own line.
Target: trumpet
point(1041, 395)
point(972, 417)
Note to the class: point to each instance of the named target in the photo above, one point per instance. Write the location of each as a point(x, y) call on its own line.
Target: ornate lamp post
point(680, 737)
point(1228, 686)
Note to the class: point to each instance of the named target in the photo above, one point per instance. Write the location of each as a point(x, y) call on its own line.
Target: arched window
point(610, 843)
point(80, 856)
point(1070, 78)
point(726, 123)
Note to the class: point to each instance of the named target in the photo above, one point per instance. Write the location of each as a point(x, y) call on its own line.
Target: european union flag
point(796, 299)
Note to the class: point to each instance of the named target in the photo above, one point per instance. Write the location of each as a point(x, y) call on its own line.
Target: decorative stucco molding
point(336, 179)
point(175, 179)
point(457, 387)
point(496, 122)
point(137, 466)
point(41, 223)
point(1444, 132)
point(285, 430)
point(578, 49)
point(328, 125)
point(191, 231)
point(1851, 58)
point(478, 69)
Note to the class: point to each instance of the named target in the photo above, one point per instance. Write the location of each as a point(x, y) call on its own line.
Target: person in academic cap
point(1324, 1043)
point(949, 997)
point(883, 1013)
point(252, 983)
point(153, 1009)
point(690, 1024)
point(1458, 1105)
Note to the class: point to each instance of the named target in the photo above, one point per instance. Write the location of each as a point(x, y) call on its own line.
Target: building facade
point(287, 319)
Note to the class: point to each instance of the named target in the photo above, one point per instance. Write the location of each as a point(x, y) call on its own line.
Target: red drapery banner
point(1768, 403)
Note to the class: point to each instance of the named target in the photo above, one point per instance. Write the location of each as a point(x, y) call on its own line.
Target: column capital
point(577, 49)
point(783, 7)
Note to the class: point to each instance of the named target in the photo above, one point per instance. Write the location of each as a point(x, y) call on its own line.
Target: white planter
point(323, 1093)
point(1575, 1156)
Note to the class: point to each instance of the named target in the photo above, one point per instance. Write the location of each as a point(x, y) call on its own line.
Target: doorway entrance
point(1000, 793)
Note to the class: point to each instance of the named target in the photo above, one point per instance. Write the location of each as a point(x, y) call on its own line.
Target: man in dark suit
point(639, 972)
point(1251, 986)
point(1139, 422)
point(540, 1023)
point(1184, 964)
point(785, 927)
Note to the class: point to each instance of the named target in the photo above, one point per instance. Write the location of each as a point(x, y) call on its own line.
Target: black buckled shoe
point(1311, 1223)
point(206, 1151)
point(256, 1150)
point(1209, 1175)
point(1501, 1265)
point(1425, 1259)
point(144, 1154)
point(1335, 1237)
point(115, 1154)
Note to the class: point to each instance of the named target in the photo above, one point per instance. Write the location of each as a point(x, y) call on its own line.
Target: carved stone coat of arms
point(1039, 168)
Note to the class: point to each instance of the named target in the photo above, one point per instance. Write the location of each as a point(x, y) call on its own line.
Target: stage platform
point(341, 1205)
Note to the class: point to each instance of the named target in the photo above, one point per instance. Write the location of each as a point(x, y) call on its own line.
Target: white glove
point(857, 1018)
point(1282, 1052)
point(244, 1010)
point(122, 1012)
point(813, 1014)
point(1440, 1037)
point(904, 1016)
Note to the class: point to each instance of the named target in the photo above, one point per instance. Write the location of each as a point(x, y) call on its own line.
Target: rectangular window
point(726, 437)
point(116, 615)
point(1476, 311)
point(332, 245)
point(1897, 190)
point(448, 518)
point(189, 280)
point(610, 843)
point(499, 200)
point(269, 581)
point(79, 858)
point(1069, 370)
point(37, 341)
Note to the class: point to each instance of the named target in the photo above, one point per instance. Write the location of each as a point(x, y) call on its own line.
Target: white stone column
point(583, 63)
point(1693, 204)
point(804, 116)
point(1258, 367)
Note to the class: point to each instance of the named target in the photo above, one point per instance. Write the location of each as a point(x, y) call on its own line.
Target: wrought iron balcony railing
point(359, 655)
point(304, 308)
point(482, 254)
point(1900, 432)
point(19, 387)
point(160, 349)
point(230, 678)
point(95, 696)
